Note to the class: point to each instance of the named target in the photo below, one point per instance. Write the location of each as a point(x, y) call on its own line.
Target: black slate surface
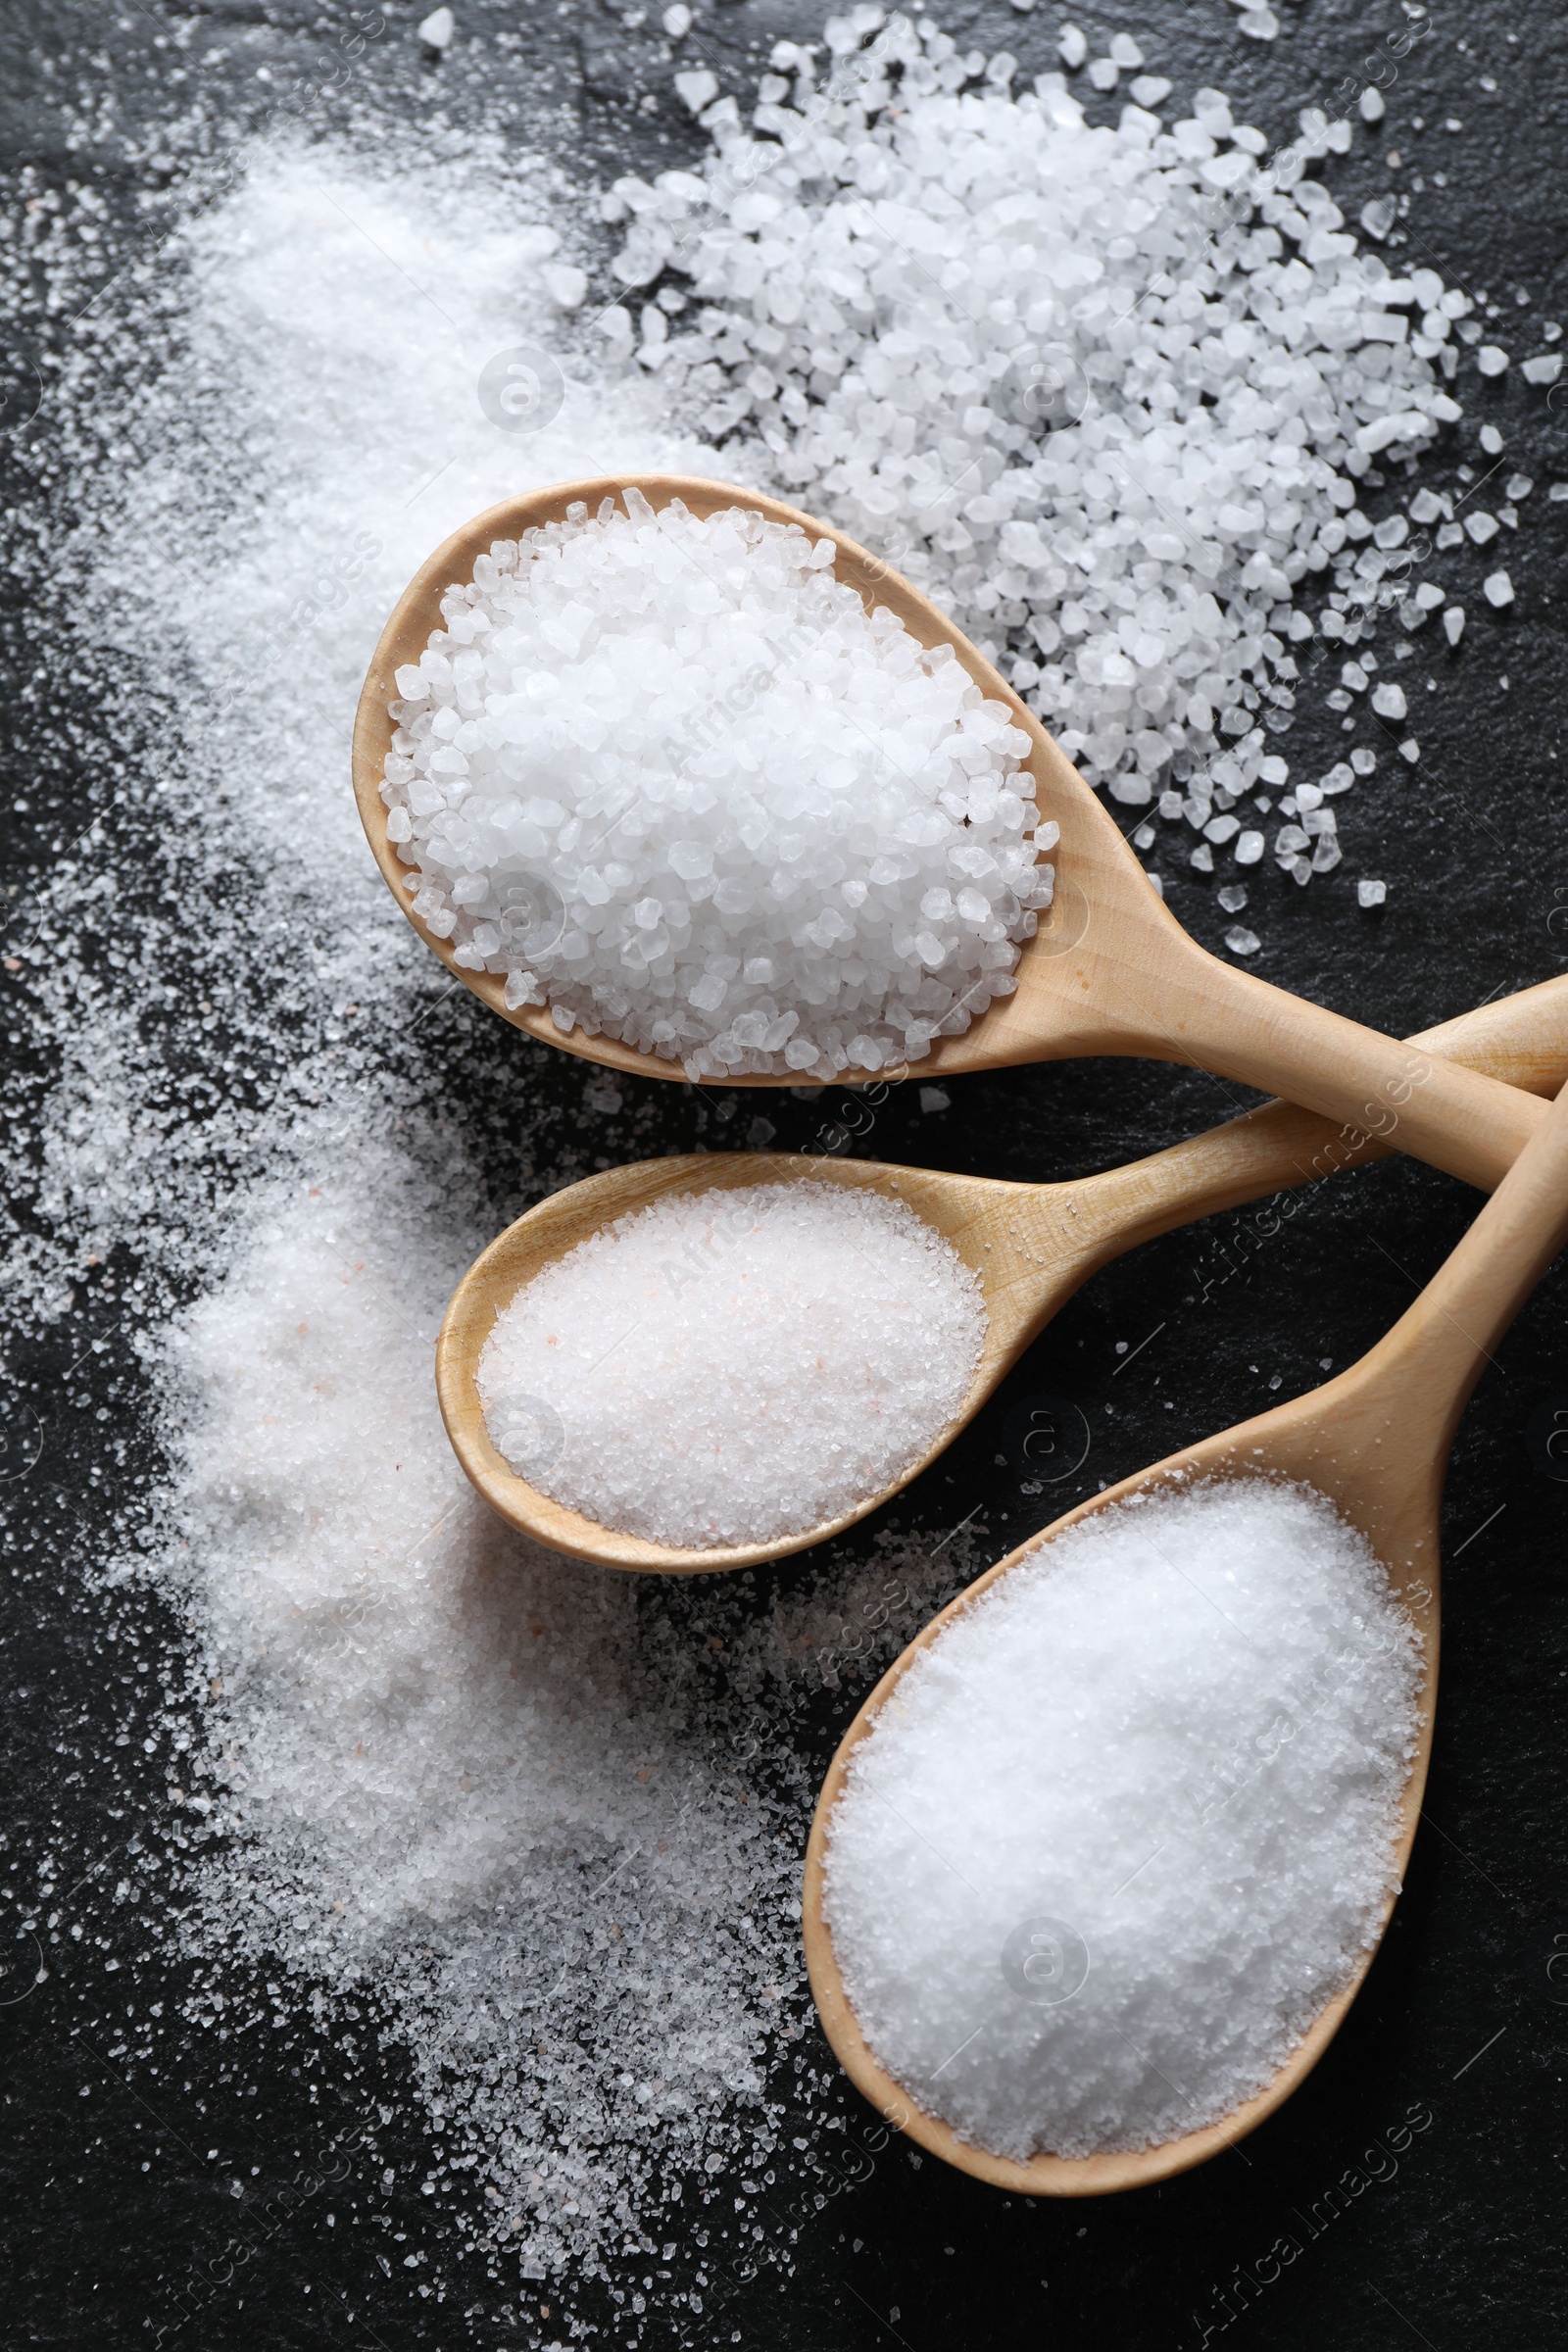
point(1444, 2235)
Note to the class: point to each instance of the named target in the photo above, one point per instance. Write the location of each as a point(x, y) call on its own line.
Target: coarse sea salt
point(730, 1367)
point(1104, 390)
point(1128, 1823)
point(670, 776)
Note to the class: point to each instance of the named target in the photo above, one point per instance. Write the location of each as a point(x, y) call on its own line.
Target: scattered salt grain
point(437, 29)
point(697, 88)
point(1072, 47)
point(1492, 359)
point(1388, 700)
point(1241, 941)
point(1498, 589)
point(667, 776)
point(1544, 368)
point(1370, 105)
point(1371, 894)
point(1129, 1823)
point(731, 1367)
point(1453, 624)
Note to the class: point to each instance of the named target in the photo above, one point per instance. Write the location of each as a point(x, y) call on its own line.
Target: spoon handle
point(1522, 1038)
point(1220, 1018)
point(1434, 1356)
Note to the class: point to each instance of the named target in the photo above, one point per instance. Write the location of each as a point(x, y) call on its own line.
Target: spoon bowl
point(1031, 1245)
point(1108, 970)
point(1375, 1440)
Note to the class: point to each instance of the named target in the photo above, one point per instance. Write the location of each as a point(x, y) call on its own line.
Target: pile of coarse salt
point(730, 1367)
point(1128, 1823)
point(1104, 390)
point(670, 776)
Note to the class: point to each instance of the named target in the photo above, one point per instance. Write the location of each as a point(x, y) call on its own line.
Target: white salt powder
point(670, 776)
point(1128, 1823)
point(727, 1367)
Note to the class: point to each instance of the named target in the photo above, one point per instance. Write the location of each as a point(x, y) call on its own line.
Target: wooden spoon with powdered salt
point(1375, 1442)
point(1032, 1246)
point(1110, 971)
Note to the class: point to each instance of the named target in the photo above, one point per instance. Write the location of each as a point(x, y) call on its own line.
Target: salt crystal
point(697, 87)
point(1453, 624)
point(1498, 589)
point(1410, 750)
point(1241, 941)
point(1492, 359)
point(1371, 894)
point(677, 21)
point(565, 284)
point(1388, 701)
point(437, 29)
point(1370, 105)
point(1544, 368)
point(735, 1366)
point(1072, 46)
point(1129, 1824)
point(1233, 898)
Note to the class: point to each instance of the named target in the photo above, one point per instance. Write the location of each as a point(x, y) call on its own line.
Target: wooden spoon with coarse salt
point(1108, 970)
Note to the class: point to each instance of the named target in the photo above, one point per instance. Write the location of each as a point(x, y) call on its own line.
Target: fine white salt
point(670, 777)
point(725, 1367)
point(1128, 1823)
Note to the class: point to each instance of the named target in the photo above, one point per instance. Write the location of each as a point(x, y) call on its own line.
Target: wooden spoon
point(1109, 969)
point(1032, 1245)
point(1375, 1440)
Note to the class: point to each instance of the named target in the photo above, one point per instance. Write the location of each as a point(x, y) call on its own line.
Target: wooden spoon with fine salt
point(1032, 1246)
point(1109, 969)
point(1375, 1440)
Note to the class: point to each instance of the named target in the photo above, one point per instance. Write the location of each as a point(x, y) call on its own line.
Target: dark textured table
point(1338, 2223)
